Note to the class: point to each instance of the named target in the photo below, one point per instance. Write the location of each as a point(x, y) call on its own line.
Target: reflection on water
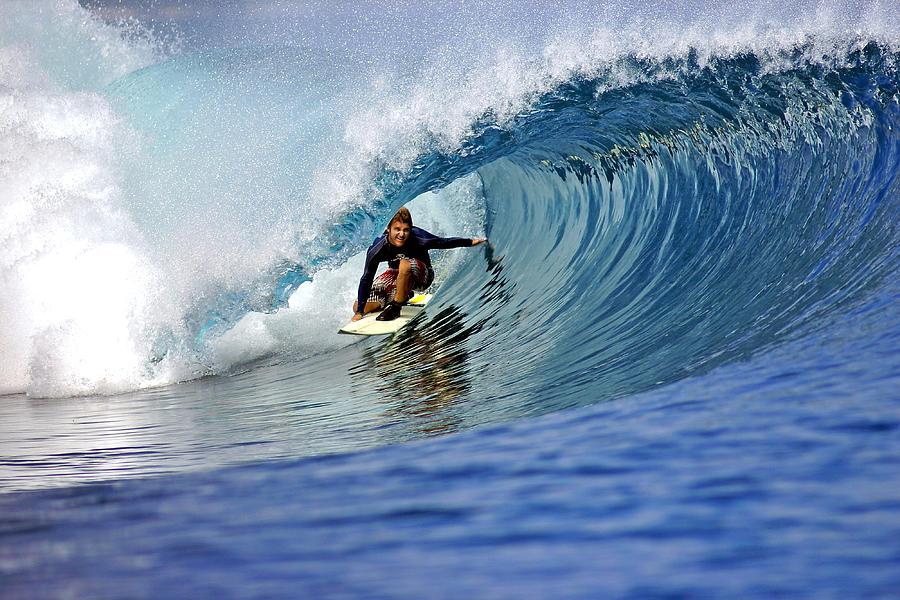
point(421, 374)
point(281, 411)
point(368, 394)
point(425, 381)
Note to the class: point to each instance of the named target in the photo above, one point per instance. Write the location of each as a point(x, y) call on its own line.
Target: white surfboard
point(369, 325)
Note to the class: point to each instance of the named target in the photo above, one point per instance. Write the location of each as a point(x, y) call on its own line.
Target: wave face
point(655, 209)
point(708, 211)
point(661, 229)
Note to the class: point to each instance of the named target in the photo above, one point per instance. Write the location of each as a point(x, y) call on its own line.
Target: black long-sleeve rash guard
point(417, 246)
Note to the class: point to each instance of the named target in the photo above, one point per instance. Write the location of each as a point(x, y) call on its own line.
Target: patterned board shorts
point(385, 285)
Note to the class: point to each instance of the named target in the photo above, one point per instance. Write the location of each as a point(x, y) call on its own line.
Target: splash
point(76, 280)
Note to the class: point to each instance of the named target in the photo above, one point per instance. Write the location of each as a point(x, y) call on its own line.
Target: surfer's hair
point(403, 216)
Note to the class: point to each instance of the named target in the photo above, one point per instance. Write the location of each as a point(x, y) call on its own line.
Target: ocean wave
point(653, 231)
point(658, 204)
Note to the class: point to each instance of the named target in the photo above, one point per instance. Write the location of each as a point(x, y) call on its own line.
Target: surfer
point(405, 249)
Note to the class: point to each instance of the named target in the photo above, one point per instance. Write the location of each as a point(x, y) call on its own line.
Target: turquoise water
point(672, 373)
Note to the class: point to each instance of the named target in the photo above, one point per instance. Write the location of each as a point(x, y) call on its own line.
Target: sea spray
point(77, 289)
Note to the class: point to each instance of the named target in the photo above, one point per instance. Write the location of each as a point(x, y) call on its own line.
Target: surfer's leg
point(370, 307)
point(420, 277)
point(402, 292)
point(382, 291)
point(404, 282)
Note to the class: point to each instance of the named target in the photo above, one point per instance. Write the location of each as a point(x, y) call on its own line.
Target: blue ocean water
point(673, 372)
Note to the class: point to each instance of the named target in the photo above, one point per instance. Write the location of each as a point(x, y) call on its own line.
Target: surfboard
point(369, 325)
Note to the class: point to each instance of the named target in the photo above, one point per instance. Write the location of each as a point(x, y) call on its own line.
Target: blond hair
point(403, 216)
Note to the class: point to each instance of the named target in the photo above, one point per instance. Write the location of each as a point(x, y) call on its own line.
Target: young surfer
point(405, 249)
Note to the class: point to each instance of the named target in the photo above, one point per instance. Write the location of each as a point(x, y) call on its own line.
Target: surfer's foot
point(390, 312)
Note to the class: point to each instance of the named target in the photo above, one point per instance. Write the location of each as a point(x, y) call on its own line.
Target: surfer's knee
point(404, 268)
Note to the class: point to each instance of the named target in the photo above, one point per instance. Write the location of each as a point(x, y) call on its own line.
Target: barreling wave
point(655, 210)
point(653, 231)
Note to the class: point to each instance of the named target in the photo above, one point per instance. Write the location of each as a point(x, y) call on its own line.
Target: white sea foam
point(75, 283)
point(73, 270)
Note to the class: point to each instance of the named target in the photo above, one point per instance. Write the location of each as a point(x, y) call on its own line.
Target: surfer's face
point(398, 233)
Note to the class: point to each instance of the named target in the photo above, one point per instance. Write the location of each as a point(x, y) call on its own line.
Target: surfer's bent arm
point(365, 282)
point(362, 294)
point(365, 286)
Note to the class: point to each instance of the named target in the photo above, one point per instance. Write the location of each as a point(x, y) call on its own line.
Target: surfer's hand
point(355, 317)
point(478, 241)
